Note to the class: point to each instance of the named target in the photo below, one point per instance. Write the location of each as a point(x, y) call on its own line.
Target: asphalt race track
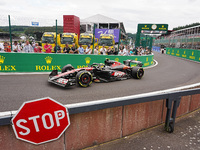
point(170, 72)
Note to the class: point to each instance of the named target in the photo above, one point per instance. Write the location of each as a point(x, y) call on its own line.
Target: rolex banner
point(36, 62)
point(190, 54)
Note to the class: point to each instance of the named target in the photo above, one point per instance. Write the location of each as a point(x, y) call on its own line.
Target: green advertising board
point(190, 54)
point(35, 62)
point(156, 28)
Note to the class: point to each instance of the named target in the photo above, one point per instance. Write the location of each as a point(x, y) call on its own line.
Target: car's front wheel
point(84, 78)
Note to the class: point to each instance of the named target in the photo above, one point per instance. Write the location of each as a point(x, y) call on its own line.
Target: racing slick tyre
point(137, 72)
point(84, 78)
point(67, 68)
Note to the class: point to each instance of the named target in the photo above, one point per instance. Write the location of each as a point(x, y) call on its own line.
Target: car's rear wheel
point(137, 72)
point(67, 68)
point(84, 78)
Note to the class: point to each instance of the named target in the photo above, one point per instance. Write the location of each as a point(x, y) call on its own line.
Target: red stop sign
point(40, 121)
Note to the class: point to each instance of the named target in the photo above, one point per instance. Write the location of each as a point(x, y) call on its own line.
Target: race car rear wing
point(128, 62)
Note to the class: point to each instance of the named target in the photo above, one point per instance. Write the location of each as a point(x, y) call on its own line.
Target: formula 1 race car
point(97, 72)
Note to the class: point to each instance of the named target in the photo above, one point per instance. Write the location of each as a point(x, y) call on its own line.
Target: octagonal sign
point(40, 121)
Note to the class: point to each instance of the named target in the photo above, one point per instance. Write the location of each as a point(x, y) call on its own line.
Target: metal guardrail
point(172, 99)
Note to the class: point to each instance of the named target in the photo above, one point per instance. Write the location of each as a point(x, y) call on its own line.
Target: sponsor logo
point(62, 81)
point(133, 65)
point(2, 58)
point(47, 67)
point(146, 64)
point(119, 74)
point(83, 66)
point(168, 51)
point(192, 57)
point(172, 52)
point(117, 59)
point(6, 67)
point(48, 60)
point(162, 28)
point(145, 27)
point(184, 56)
point(87, 60)
point(177, 54)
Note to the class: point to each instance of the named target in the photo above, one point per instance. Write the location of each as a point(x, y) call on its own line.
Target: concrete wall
point(100, 126)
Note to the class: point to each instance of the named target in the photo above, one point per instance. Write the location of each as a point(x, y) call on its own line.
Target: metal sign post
point(93, 38)
point(10, 32)
point(56, 36)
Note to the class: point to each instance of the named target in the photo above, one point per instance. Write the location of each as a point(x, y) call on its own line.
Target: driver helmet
point(106, 61)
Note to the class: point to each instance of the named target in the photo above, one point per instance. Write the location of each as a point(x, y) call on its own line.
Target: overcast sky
point(130, 12)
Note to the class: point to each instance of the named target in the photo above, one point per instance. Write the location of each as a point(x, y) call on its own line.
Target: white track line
point(156, 63)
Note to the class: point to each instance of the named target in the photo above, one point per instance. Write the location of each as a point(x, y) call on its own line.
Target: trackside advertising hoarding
point(114, 32)
point(190, 54)
point(35, 62)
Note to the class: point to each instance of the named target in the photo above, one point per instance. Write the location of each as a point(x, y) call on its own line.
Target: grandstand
point(184, 38)
point(4, 36)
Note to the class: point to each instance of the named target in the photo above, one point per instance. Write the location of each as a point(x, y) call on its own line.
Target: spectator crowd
point(124, 50)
